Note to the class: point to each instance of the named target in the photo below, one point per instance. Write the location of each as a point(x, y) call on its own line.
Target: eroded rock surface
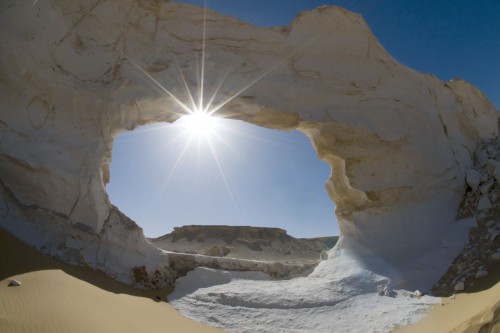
point(482, 203)
point(399, 142)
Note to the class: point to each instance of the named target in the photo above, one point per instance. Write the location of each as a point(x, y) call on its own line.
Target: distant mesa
point(244, 242)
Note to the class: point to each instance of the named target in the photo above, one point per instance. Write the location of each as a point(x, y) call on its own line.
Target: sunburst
point(199, 115)
point(199, 124)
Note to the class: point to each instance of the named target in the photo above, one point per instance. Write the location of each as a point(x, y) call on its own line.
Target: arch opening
point(234, 179)
point(351, 98)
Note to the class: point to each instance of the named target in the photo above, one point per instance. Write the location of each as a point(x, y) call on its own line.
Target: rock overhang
point(397, 141)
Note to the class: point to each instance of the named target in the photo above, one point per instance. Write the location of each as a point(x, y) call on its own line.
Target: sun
point(199, 123)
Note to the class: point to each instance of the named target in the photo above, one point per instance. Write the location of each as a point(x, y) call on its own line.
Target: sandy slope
point(55, 297)
point(473, 312)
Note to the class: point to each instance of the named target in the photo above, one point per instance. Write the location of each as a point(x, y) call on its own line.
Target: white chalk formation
point(481, 203)
point(14, 283)
point(399, 142)
point(348, 300)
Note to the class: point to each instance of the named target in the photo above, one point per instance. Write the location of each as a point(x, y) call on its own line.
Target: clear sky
point(248, 175)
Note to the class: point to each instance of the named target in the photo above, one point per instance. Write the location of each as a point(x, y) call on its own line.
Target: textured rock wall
point(399, 142)
point(481, 202)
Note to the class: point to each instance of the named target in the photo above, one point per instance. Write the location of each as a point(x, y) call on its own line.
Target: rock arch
point(398, 142)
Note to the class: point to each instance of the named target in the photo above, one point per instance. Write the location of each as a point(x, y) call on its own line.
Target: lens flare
point(197, 110)
point(199, 123)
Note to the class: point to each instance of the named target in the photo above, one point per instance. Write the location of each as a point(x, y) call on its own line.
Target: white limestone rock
point(398, 142)
point(323, 255)
point(481, 273)
point(491, 151)
point(495, 195)
point(461, 266)
point(14, 283)
point(385, 290)
point(249, 302)
point(473, 178)
point(484, 203)
point(486, 187)
point(494, 170)
point(460, 286)
point(494, 232)
point(482, 157)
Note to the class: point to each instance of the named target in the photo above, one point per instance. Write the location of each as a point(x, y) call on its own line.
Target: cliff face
point(399, 142)
point(253, 243)
point(227, 234)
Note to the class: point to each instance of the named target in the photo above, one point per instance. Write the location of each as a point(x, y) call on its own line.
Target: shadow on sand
point(18, 258)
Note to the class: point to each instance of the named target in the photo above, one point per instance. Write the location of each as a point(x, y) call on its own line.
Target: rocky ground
point(253, 243)
point(481, 202)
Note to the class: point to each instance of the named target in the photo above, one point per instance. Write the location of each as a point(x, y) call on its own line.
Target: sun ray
point(175, 165)
point(219, 85)
point(200, 112)
point(229, 145)
point(188, 110)
point(239, 92)
point(129, 136)
point(198, 160)
point(199, 123)
point(183, 78)
point(251, 134)
point(203, 41)
point(226, 183)
point(267, 72)
point(170, 140)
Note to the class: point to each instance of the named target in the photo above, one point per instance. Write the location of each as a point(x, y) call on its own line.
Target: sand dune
point(55, 297)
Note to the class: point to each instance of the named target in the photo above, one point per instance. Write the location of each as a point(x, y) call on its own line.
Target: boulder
point(473, 178)
point(481, 273)
point(460, 286)
point(484, 202)
point(14, 283)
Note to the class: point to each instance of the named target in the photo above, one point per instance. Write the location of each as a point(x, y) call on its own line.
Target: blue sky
point(269, 178)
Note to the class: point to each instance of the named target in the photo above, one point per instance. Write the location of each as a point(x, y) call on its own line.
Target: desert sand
point(404, 148)
point(57, 297)
point(475, 311)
